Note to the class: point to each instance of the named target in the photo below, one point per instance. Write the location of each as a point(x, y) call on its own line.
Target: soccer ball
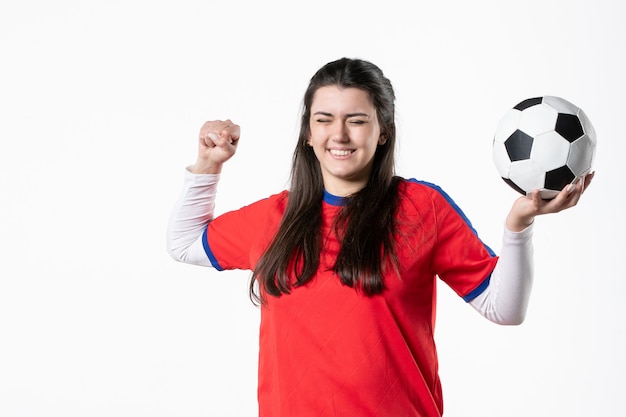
point(543, 143)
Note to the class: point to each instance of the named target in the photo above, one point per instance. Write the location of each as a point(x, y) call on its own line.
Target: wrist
point(517, 224)
point(205, 167)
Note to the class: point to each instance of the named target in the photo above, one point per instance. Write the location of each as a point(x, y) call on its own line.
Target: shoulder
point(426, 199)
point(263, 210)
point(420, 192)
point(424, 195)
point(274, 200)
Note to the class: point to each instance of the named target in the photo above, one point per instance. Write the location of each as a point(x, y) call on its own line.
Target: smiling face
point(344, 134)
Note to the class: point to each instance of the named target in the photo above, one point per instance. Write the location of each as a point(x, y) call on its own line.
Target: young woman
point(344, 263)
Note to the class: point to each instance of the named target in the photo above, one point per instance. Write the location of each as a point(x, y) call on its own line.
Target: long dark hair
point(365, 225)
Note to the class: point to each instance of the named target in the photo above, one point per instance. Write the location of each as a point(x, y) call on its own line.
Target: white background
point(100, 105)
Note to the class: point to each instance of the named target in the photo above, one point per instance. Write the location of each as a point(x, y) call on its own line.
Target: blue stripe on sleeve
point(478, 290)
point(209, 252)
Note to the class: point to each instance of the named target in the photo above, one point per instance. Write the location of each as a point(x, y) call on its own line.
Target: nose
point(339, 132)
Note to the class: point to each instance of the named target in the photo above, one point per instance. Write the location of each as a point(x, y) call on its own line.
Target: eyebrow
point(323, 113)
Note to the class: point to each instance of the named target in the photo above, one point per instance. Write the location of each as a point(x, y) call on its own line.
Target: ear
point(382, 139)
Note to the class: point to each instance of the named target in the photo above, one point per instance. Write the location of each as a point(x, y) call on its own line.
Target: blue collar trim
point(334, 200)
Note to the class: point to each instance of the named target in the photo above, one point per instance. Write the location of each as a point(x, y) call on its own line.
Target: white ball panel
point(581, 156)
point(501, 159)
point(507, 125)
point(527, 175)
point(587, 126)
point(538, 119)
point(561, 105)
point(550, 151)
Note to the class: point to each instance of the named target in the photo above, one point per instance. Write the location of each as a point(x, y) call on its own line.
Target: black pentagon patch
point(559, 178)
point(518, 146)
point(569, 126)
point(514, 186)
point(529, 102)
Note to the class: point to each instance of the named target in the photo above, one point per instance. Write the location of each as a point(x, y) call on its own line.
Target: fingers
point(219, 133)
point(573, 193)
point(588, 179)
point(582, 183)
point(567, 198)
point(214, 139)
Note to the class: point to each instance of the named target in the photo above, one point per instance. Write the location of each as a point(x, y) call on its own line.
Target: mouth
point(341, 152)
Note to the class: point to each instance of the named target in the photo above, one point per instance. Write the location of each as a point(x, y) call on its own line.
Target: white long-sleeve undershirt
point(189, 217)
point(504, 301)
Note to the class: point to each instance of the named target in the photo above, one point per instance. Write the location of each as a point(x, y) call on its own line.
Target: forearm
point(505, 301)
point(190, 216)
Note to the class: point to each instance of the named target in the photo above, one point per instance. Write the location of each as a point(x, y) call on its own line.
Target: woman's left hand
point(525, 209)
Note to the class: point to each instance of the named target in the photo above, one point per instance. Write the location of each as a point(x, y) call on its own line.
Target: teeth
point(339, 152)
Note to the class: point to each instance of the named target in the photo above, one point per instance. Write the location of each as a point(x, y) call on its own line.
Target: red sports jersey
point(328, 350)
